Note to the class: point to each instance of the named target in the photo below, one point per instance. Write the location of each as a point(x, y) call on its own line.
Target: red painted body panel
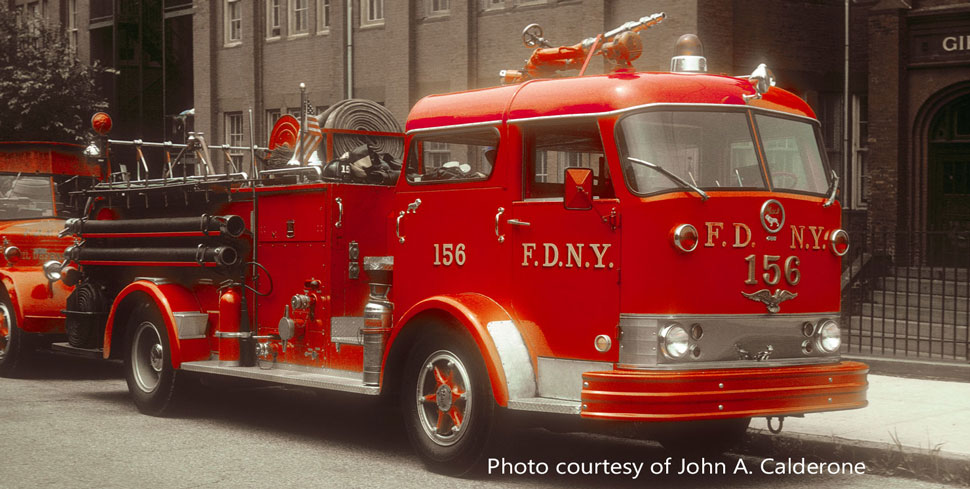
point(628, 395)
point(46, 157)
point(168, 298)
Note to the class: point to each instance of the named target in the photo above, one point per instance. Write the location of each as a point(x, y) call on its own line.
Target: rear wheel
point(148, 361)
point(447, 403)
point(12, 347)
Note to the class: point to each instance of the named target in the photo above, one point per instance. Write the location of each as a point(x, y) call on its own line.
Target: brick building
point(908, 104)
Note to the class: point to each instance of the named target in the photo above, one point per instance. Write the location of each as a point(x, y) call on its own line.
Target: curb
point(880, 458)
point(911, 368)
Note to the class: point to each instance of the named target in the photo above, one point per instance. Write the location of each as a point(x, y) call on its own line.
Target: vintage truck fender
point(170, 299)
point(37, 309)
point(506, 356)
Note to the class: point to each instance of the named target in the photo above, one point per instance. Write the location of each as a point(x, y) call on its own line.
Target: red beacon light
point(685, 238)
point(840, 242)
point(101, 123)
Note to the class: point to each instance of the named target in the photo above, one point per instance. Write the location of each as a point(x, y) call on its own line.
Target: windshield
point(716, 151)
point(32, 196)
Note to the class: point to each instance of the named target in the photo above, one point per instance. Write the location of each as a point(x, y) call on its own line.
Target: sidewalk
point(920, 414)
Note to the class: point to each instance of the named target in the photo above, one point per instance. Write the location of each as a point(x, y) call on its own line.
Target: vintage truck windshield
point(716, 151)
point(24, 196)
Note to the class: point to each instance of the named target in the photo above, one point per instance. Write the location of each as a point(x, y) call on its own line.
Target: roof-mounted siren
point(761, 79)
point(690, 55)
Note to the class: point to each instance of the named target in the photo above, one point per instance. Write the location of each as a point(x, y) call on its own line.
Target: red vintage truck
point(654, 248)
point(35, 181)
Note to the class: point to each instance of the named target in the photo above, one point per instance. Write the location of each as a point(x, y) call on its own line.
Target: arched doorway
point(948, 167)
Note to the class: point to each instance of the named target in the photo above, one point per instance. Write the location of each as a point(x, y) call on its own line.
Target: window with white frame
point(233, 26)
point(323, 16)
point(234, 136)
point(439, 7)
point(371, 12)
point(860, 150)
point(274, 12)
point(72, 30)
point(299, 17)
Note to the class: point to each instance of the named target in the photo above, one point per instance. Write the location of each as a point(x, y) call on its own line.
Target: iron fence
point(905, 294)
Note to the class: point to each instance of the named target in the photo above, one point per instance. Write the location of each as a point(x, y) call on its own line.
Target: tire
point(447, 403)
point(13, 346)
point(709, 437)
point(148, 361)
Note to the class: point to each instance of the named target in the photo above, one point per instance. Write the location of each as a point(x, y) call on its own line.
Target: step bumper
point(638, 395)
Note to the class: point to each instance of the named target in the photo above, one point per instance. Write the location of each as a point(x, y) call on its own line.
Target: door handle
point(340, 212)
point(411, 209)
point(400, 238)
point(498, 216)
point(516, 222)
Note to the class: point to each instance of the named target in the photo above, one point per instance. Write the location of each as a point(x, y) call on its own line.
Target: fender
point(37, 309)
point(506, 357)
point(169, 299)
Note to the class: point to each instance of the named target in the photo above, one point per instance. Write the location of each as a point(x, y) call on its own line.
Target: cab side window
point(551, 148)
point(453, 157)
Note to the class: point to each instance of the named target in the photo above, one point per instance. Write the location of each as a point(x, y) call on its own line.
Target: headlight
point(12, 254)
point(675, 341)
point(829, 336)
point(52, 270)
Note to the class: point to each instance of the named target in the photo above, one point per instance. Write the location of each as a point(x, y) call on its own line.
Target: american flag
point(311, 138)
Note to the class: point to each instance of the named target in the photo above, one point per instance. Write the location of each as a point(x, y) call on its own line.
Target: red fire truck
point(661, 248)
point(35, 179)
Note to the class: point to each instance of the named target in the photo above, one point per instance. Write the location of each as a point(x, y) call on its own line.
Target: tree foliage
point(46, 93)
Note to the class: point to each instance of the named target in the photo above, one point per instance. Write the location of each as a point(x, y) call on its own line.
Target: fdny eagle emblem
point(771, 301)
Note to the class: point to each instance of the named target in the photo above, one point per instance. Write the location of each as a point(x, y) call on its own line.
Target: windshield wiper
point(832, 190)
point(665, 172)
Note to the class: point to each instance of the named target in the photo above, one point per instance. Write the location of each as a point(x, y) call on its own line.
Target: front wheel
point(148, 361)
point(447, 403)
point(12, 347)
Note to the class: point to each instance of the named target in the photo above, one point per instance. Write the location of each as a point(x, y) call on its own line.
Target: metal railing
point(907, 294)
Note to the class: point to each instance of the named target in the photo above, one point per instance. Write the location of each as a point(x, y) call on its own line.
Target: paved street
point(71, 424)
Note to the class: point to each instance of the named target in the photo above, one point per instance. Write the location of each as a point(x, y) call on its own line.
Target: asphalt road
point(70, 423)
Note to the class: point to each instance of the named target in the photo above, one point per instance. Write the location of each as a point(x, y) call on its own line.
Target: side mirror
point(578, 189)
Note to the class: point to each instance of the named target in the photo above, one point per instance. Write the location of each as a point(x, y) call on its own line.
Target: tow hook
point(781, 423)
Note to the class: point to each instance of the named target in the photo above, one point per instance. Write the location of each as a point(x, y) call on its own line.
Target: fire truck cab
point(35, 179)
point(661, 248)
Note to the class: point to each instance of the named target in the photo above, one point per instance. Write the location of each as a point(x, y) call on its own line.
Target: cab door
point(444, 218)
point(565, 264)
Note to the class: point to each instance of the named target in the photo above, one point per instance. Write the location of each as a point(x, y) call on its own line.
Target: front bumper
point(687, 395)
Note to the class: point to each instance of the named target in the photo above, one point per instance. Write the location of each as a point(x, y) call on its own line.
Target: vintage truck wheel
point(447, 403)
point(148, 361)
point(12, 339)
point(705, 438)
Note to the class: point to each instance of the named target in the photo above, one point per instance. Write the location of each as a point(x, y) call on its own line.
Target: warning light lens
point(840, 242)
point(685, 238)
point(101, 123)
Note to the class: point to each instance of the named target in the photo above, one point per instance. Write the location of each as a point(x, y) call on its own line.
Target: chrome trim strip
point(812, 315)
point(545, 405)
point(733, 364)
point(452, 127)
point(563, 379)
point(321, 378)
point(514, 355)
point(659, 104)
point(190, 325)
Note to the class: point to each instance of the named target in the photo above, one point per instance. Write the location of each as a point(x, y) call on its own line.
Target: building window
point(234, 136)
point(72, 30)
point(860, 151)
point(272, 115)
point(273, 21)
point(298, 17)
point(440, 7)
point(371, 12)
point(493, 4)
point(233, 22)
point(323, 16)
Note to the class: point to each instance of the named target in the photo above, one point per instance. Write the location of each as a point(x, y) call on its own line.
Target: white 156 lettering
point(449, 253)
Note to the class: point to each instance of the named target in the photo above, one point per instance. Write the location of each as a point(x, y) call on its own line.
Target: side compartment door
point(444, 218)
point(566, 261)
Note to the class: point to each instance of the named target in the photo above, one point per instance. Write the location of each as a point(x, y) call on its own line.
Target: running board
point(66, 347)
point(545, 405)
point(322, 378)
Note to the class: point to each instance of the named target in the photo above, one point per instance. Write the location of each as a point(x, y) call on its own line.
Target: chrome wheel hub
point(147, 357)
point(443, 397)
point(5, 327)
